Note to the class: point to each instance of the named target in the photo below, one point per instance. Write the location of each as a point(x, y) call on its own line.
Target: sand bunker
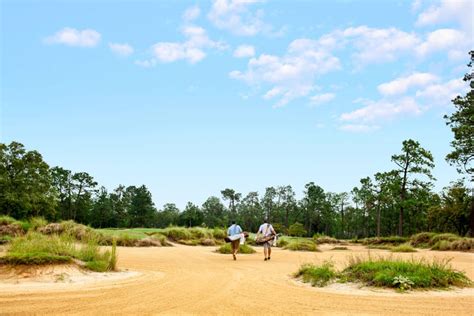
point(196, 280)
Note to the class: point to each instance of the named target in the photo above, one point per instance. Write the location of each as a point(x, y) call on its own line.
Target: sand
point(185, 280)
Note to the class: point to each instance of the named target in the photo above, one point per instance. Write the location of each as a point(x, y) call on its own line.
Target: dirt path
point(195, 280)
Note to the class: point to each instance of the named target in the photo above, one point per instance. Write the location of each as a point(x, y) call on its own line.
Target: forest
point(400, 201)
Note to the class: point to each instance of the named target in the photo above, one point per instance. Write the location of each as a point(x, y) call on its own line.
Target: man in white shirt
point(233, 230)
point(266, 231)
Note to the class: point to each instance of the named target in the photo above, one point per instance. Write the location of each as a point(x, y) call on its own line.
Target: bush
point(317, 275)
point(443, 237)
point(324, 239)
point(177, 233)
point(391, 240)
point(37, 222)
point(243, 249)
point(340, 248)
point(421, 240)
point(301, 245)
point(282, 242)
point(297, 229)
point(7, 220)
point(383, 272)
point(403, 248)
point(219, 233)
point(37, 258)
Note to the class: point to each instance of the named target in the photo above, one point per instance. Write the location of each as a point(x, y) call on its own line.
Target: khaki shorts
point(268, 244)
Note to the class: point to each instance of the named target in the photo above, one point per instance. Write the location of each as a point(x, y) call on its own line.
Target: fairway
point(196, 280)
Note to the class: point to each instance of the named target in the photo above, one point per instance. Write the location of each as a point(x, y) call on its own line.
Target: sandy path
point(195, 280)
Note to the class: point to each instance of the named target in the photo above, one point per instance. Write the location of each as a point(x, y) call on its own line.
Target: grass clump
point(340, 248)
point(282, 242)
point(301, 245)
point(323, 239)
point(404, 274)
point(390, 240)
point(177, 233)
point(36, 248)
point(243, 249)
point(422, 240)
point(403, 248)
point(317, 275)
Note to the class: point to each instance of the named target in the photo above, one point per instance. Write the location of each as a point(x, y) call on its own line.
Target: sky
point(192, 97)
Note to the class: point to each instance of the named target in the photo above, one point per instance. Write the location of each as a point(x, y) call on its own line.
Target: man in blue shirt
point(233, 230)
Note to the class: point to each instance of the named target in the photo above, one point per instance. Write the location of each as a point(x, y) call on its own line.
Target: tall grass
point(301, 245)
point(35, 248)
point(317, 275)
point(403, 248)
point(243, 249)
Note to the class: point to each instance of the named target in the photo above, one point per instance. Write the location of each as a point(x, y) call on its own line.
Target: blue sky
point(191, 97)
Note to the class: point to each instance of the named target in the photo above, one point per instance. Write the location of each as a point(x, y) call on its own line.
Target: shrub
point(37, 258)
point(403, 248)
point(243, 249)
point(297, 229)
point(207, 242)
point(199, 232)
point(443, 237)
point(282, 242)
point(391, 240)
point(317, 275)
point(301, 245)
point(324, 239)
point(340, 248)
point(6, 220)
point(177, 233)
point(219, 233)
point(37, 222)
point(421, 240)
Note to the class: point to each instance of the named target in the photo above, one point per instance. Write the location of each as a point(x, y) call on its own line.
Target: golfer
point(267, 233)
point(234, 230)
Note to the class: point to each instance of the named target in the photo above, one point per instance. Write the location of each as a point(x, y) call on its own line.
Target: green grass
point(403, 248)
point(390, 240)
point(383, 272)
point(317, 275)
point(322, 239)
point(36, 248)
point(7, 220)
point(301, 245)
point(243, 249)
point(422, 240)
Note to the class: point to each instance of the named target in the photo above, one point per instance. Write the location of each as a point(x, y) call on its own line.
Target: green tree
point(462, 125)
point(233, 198)
point(214, 212)
point(191, 216)
point(142, 210)
point(297, 229)
point(25, 183)
point(414, 160)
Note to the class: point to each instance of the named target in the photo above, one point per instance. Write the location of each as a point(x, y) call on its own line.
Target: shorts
point(268, 244)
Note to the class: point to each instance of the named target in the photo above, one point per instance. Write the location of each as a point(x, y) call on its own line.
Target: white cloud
point(359, 128)
point(402, 84)
point(123, 50)
point(375, 111)
point(442, 94)
point(460, 11)
point(291, 75)
point(244, 51)
point(416, 5)
point(192, 49)
point(191, 13)
point(322, 98)
point(236, 17)
point(72, 37)
point(146, 63)
point(374, 45)
point(443, 39)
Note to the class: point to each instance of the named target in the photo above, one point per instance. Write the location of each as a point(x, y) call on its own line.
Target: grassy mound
point(243, 249)
point(403, 248)
point(442, 242)
point(301, 245)
point(317, 275)
point(389, 241)
point(340, 248)
point(386, 272)
point(36, 248)
point(422, 240)
point(322, 239)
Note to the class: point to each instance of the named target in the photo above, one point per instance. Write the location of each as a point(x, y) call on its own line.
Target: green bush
point(219, 233)
point(243, 249)
point(177, 233)
point(421, 240)
point(443, 237)
point(7, 220)
point(297, 229)
point(282, 242)
point(301, 245)
point(317, 275)
point(403, 248)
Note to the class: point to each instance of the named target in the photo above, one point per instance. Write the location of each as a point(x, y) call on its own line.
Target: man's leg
point(269, 251)
point(265, 250)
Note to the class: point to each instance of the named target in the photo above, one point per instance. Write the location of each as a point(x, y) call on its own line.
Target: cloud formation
point(73, 37)
point(402, 84)
point(122, 50)
point(244, 51)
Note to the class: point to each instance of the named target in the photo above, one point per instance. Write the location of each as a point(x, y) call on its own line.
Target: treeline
point(398, 201)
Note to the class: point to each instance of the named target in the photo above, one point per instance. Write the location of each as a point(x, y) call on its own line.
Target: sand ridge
point(188, 280)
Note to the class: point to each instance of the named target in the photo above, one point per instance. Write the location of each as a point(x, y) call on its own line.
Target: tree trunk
point(471, 215)
point(378, 219)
